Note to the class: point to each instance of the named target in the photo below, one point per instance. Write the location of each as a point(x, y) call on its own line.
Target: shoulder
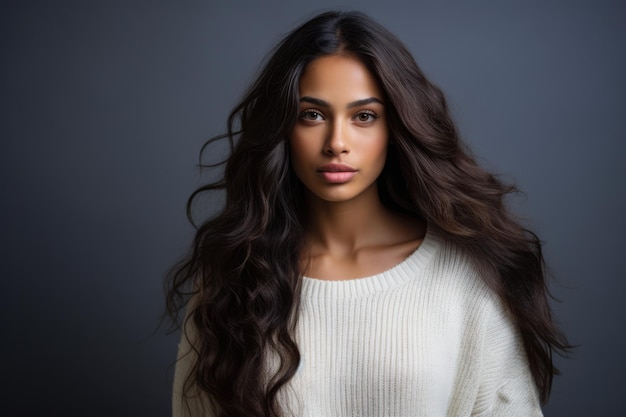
point(448, 268)
point(467, 300)
point(448, 288)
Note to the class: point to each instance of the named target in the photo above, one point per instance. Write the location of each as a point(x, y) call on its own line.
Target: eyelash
point(304, 114)
point(372, 116)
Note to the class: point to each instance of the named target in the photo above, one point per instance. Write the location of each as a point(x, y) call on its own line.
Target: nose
point(337, 139)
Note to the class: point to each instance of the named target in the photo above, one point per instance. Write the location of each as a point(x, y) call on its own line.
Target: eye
point(311, 115)
point(366, 116)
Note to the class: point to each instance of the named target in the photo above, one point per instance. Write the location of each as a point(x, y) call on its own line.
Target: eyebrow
point(356, 103)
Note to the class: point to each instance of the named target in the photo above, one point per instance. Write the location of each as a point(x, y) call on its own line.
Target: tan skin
point(342, 121)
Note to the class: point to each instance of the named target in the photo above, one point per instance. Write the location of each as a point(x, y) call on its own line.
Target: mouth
point(336, 168)
point(336, 173)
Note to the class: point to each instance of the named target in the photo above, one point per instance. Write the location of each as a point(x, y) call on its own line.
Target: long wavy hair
point(242, 271)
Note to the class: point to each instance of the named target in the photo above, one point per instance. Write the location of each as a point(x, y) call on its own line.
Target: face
point(339, 143)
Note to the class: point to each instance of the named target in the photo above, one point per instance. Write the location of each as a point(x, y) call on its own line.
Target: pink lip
point(337, 177)
point(336, 168)
point(337, 173)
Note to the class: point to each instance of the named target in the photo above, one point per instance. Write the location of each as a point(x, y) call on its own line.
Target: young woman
point(362, 264)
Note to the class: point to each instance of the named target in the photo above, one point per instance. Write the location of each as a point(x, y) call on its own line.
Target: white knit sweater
point(424, 338)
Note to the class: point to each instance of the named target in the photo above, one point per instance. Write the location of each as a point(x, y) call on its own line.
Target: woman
point(362, 264)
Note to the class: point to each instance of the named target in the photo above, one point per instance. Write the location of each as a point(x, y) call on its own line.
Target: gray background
point(104, 106)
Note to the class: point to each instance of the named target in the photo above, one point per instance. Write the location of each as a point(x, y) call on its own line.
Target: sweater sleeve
point(507, 388)
point(194, 404)
point(183, 364)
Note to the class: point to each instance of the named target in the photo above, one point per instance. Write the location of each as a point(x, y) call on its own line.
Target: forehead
point(338, 77)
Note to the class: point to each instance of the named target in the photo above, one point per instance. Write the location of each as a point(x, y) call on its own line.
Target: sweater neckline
point(410, 268)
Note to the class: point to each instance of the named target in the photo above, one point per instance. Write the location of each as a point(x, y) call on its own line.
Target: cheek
point(381, 160)
point(378, 150)
point(302, 146)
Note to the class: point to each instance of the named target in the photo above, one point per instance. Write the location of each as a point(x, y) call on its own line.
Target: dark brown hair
point(243, 266)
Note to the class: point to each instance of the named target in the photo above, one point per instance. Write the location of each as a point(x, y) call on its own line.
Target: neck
point(346, 226)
